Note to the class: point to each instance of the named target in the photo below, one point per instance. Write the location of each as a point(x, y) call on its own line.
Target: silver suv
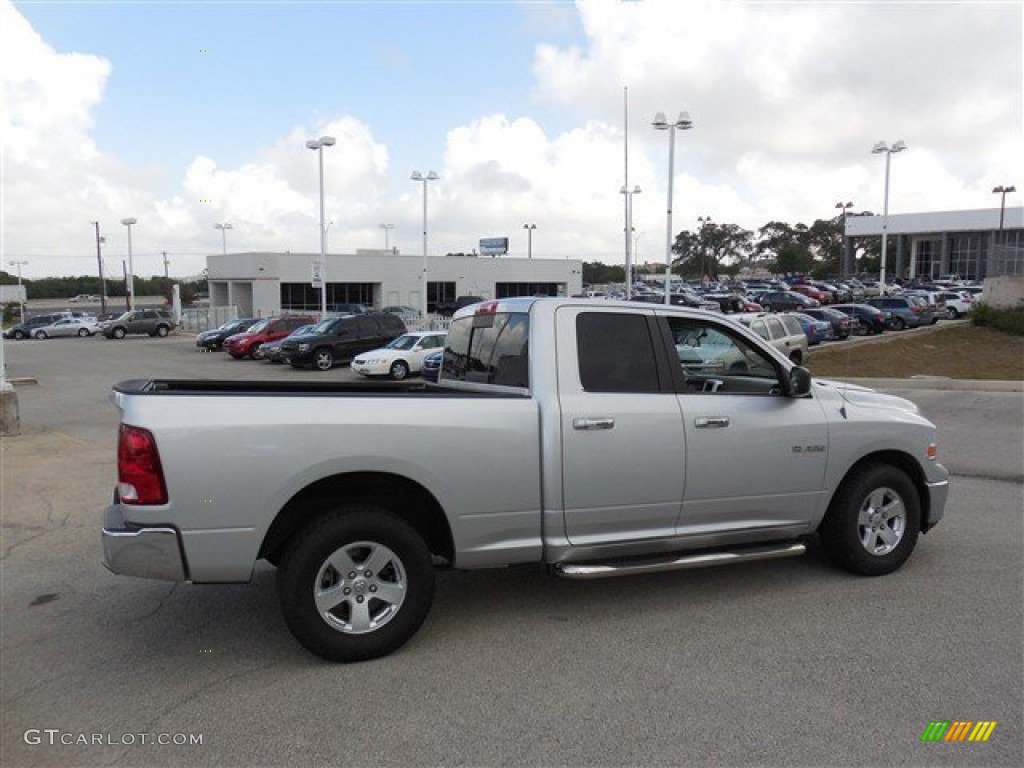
point(154, 322)
point(782, 331)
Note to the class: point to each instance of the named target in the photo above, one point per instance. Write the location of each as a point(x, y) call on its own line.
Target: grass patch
point(1008, 320)
point(957, 352)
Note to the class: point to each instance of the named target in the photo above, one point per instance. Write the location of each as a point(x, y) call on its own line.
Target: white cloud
point(786, 99)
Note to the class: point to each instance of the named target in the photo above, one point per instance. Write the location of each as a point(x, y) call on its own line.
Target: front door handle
point(712, 422)
point(605, 423)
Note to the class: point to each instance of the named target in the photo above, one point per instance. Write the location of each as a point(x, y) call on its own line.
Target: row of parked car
point(373, 343)
point(150, 322)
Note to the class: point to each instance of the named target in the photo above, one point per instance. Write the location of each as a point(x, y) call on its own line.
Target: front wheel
point(323, 359)
point(399, 370)
point(898, 324)
point(118, 333)
point(162, 330)
point(355, 584)
point(871, 526)
point(951, 313)
point(83, 332)
point(41, 334)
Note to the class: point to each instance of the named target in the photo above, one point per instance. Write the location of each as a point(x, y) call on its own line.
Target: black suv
point(153, 322)
point(340, 339)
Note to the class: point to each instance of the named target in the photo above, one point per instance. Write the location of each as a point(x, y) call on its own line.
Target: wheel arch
point(401, 496)
point(905, 463)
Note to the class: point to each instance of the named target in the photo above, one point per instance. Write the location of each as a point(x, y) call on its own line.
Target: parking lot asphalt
point(787, 663)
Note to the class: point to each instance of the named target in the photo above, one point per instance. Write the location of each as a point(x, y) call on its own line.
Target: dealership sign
point(493, 246)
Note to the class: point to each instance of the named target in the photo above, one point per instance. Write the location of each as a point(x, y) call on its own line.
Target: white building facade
point(972, 244)
point(261, 284)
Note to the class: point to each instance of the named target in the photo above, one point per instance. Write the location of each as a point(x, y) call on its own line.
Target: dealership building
point(270, 283)
point(972, 244)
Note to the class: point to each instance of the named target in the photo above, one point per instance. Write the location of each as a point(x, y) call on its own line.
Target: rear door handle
point(712, 422)
point(605, 423)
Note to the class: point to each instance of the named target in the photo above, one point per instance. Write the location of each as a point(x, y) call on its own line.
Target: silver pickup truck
point(596, 438)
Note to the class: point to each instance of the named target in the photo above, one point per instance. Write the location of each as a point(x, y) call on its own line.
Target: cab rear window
point(489, 348)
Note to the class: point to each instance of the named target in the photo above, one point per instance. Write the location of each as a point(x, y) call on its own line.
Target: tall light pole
point(879, 148)
point(683, 123)
point(21, 302)
point(387, 228)
point(130, 278)
point(1004, 191)
point(99, 263)
point(844, 266)
point(624, 190)
point(223, 227)
point(529, 239)
point(430, 176)
point(318, 146)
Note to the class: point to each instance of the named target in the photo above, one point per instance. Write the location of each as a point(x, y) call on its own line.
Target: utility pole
point(167, 279)
point(99, 264)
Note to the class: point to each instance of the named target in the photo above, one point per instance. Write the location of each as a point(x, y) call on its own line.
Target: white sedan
point(68, 326)
point(401, 357)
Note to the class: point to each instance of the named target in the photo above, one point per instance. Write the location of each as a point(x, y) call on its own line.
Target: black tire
point(951, 313)
point(345, 627)
point(20, 335)
point(41, 335)
point(899, 324)
point(83, 332)
point(399, 370)
point(766, 307)
point(118, 333)
point(323, 359)
point(162, 330)
point(256, 353)
point(872, 524)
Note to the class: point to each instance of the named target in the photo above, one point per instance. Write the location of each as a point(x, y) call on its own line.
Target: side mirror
point(799, 382)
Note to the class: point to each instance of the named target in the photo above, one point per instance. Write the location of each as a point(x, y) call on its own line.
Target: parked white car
point(957, 303)
point(68, 326)
point(401, 357)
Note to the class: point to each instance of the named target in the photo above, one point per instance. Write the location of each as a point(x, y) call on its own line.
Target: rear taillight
point(140, 477)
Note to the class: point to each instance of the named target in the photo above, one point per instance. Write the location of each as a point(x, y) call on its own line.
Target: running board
point(676, 562)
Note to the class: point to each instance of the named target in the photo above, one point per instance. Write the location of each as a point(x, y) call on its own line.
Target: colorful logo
point(959, 730)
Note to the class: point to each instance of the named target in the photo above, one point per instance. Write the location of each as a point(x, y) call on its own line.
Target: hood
point(865, 397)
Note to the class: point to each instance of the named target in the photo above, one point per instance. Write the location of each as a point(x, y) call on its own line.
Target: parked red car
point(271, 329)
point(812, 293)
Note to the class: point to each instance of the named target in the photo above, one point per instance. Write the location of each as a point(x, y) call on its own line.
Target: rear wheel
point(162, 330)
point(951, 313)
point(323, 359)
point(41, 334)
point(899, 324)
point(355, 584)
point(118, 333)
point(83, 332)
point(872, 524)
point(399, 370)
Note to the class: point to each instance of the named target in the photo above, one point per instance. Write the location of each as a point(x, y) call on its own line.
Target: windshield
point(403, 342)
point(323, 326)
point(259, 326)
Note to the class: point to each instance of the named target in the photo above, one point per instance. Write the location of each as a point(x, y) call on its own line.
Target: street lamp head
point(1003, 190)
point(313, 144)
point(129, 222)
point(225, 225)
point(899, 146)
point(327, 141)
point(684, 122)
point(844, 205)
point(660, 123)
point(879, 148)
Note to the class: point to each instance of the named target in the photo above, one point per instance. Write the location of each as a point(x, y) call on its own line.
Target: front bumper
point(380, 368)
point(938, 491)
point(147, 552)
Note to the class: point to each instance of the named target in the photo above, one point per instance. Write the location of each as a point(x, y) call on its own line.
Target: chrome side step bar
point(677, 562)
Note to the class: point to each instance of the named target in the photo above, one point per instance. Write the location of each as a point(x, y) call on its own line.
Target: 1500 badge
point(808, 449)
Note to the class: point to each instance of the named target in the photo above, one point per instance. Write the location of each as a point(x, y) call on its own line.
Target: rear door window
point(616, 353)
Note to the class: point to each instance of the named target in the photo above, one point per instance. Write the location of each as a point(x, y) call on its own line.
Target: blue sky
point(186, 114)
